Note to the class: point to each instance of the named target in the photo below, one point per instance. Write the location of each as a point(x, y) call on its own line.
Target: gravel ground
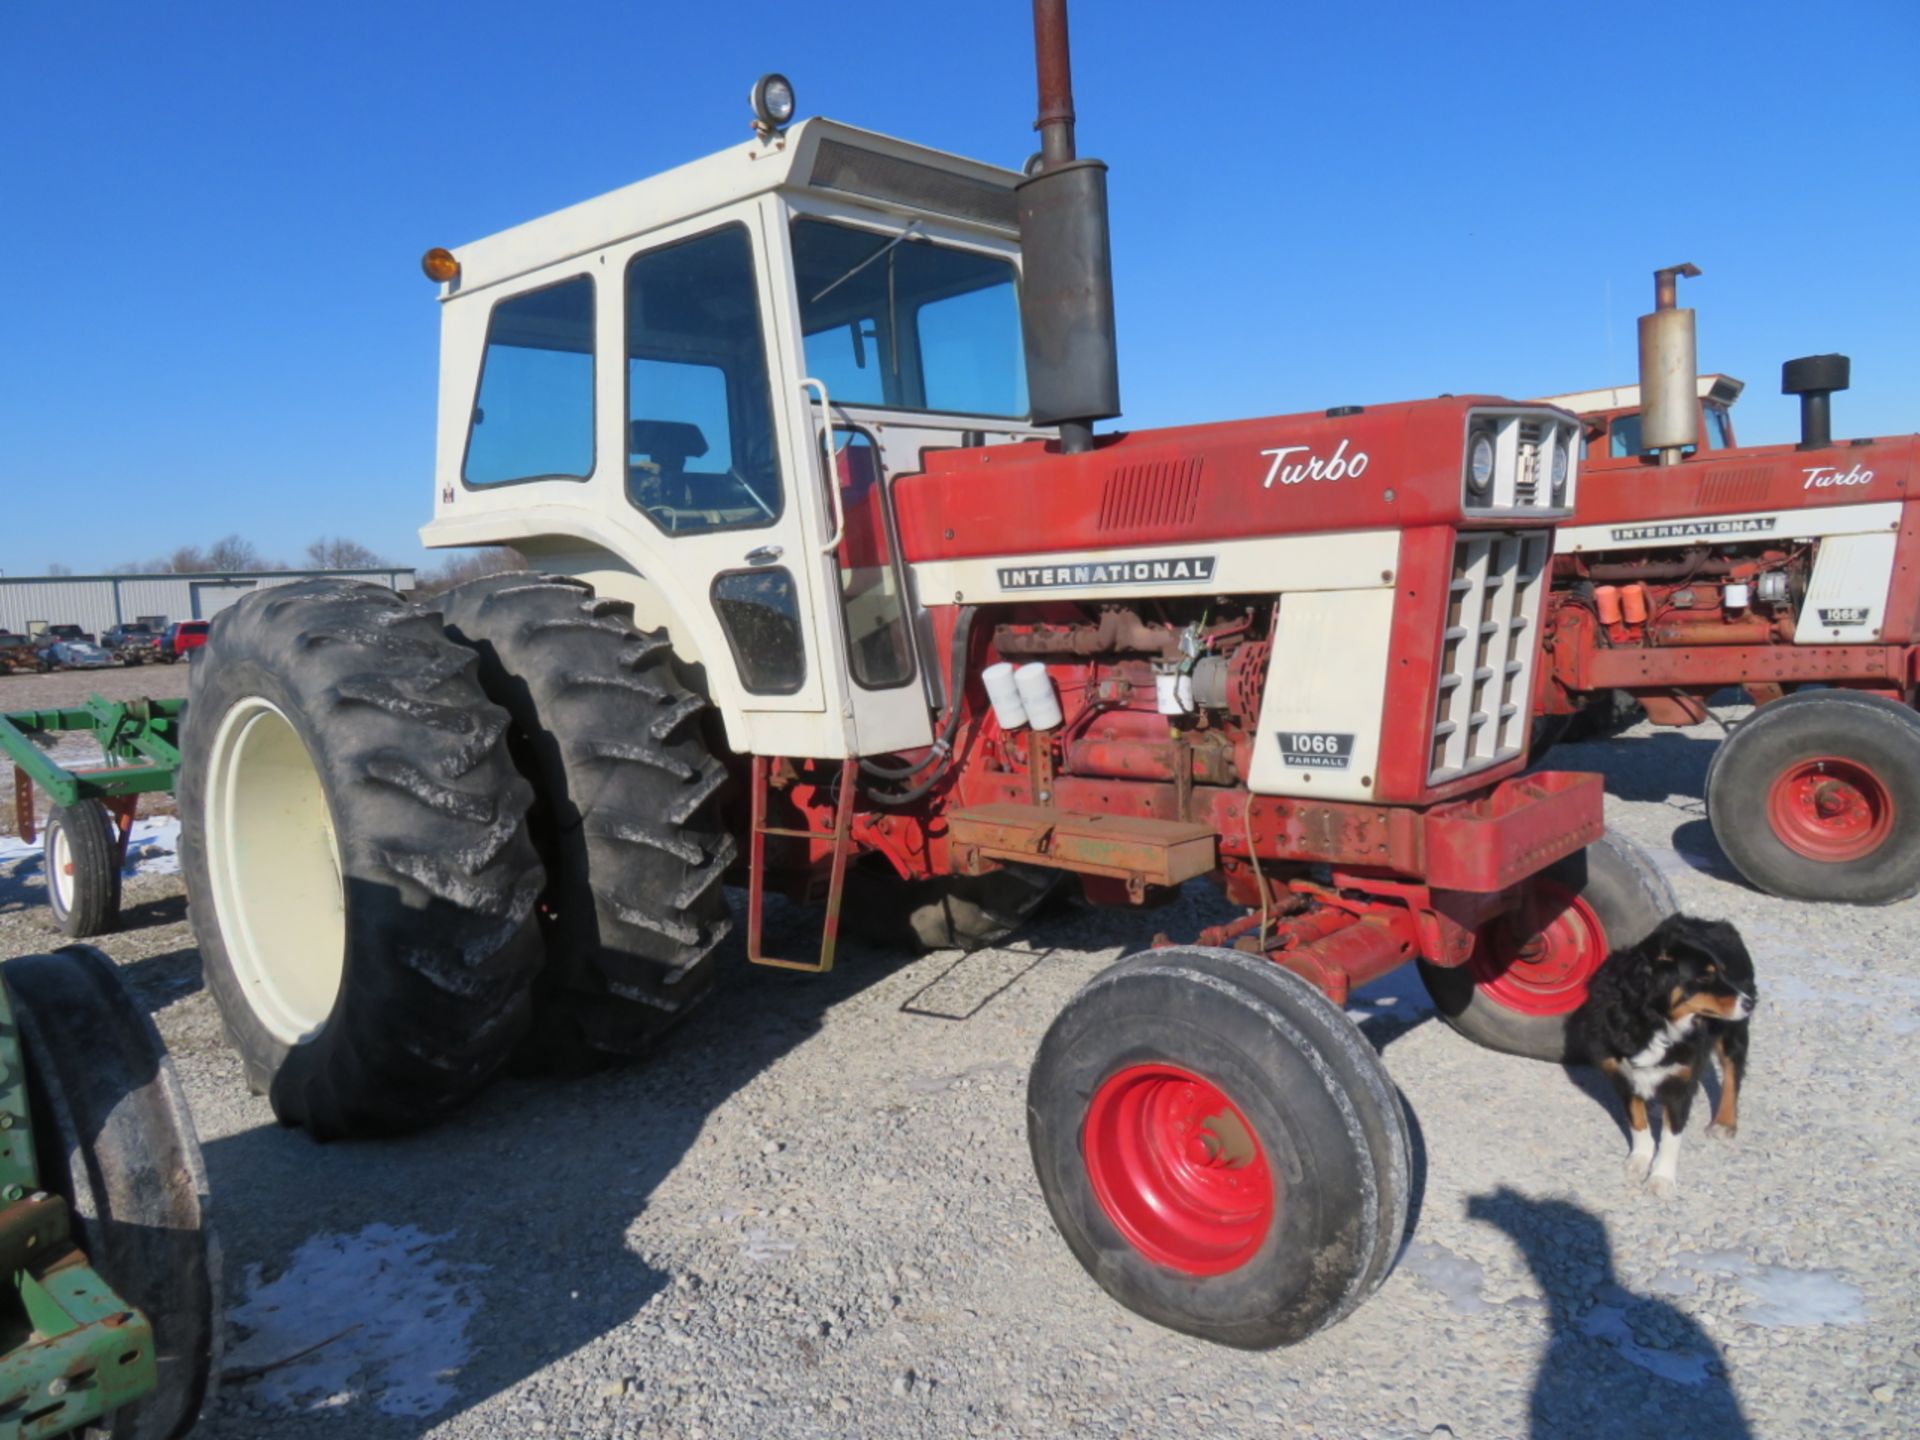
point(814, 1215)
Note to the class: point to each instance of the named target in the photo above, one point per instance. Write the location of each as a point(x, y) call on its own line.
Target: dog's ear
point(1729, 950)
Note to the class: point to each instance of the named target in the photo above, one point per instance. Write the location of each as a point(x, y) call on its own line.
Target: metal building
point(96, 603)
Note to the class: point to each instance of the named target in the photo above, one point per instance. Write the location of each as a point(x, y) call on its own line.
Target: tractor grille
point(1524, 442)
point(1484, 709)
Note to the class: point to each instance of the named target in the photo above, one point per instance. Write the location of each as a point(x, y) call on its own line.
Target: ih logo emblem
point(1316, 749)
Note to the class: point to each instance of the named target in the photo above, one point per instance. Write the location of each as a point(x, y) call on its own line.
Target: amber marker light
point(440, 265)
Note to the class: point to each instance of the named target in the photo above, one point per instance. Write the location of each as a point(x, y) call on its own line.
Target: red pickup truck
point(180, 637)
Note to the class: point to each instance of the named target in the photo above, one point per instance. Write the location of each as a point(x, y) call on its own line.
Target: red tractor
point(1789, 571)
point(839, 596)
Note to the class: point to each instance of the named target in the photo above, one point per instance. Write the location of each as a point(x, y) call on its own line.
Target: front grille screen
point(1487, 652)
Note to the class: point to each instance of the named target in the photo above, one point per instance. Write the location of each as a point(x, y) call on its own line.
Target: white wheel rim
point(274, 867)
point(60, 869)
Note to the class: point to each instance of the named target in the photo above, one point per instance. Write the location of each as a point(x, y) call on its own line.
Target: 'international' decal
point(1692, 529)
point(1170, 570)
point(1316, 749)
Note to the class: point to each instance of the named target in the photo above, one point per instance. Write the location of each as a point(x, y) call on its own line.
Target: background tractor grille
point(1485, 703)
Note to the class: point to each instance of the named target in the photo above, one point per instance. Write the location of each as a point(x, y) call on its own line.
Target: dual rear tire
point(388, 910)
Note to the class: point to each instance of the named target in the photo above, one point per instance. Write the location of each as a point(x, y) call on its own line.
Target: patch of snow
point(1608, 1323)
point(1784, 1298)
point(759, 1246)
point(1454, 1276)
point(152, 849)
point(154, 846)
point(385, 1317)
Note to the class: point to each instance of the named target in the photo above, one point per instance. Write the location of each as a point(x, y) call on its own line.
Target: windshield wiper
point(912, 225)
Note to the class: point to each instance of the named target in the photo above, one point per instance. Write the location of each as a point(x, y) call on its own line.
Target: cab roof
point(816, 154)
point(1723, 388)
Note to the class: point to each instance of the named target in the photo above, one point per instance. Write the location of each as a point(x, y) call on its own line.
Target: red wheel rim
point(1830, 809)
point(1177, 1169)
point(1544, 972)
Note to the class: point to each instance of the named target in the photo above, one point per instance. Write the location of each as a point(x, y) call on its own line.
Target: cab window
point(1719, 428)
point(533, 418)
point(700, 445)
point(897, 321)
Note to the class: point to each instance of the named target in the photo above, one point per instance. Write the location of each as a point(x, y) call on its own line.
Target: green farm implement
point(92, 817)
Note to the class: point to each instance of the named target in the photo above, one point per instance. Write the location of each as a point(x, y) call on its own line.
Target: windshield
point(899, 322)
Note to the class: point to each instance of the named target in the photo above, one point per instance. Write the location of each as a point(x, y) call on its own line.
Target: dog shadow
point(1617, 1363)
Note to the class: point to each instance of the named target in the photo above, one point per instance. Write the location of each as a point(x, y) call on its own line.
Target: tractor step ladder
point(842, 837)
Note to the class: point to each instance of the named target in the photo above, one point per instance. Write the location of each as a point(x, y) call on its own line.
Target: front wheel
point(1530, 970)
point(1219, 1146)
point(1817, 797)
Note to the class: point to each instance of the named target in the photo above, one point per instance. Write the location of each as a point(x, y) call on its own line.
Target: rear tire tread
point(441, 948)
point(626, 811)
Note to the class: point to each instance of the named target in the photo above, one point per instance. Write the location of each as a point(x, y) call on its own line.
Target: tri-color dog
point(1651, 1015)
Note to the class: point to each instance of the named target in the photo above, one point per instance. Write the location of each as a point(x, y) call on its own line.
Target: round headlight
point(773, 100)
point(1480, 463)
point(1559, 467)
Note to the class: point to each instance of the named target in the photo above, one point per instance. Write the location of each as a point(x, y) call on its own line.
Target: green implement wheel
point(83, 869)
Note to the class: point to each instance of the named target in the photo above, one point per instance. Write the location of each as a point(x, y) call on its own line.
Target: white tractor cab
point(1612, 432)
point(644, 413)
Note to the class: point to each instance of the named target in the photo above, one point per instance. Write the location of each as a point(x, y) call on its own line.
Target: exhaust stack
point(1669, 384)
point(1814, 378)
point(1066, 295)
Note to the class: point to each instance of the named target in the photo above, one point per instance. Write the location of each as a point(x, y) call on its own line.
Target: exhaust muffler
point(1669, 370)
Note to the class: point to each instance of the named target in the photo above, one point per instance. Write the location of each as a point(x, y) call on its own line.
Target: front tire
point(1817, 797)
point(1219, 1146)
point(626, 813)
point(1518, 990)
point(354, 840)
point(113, 1136)
point(82, 852)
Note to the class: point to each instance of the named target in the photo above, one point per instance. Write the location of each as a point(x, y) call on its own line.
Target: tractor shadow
point(526, 1213)
point(1654, 768)
point(1616, 1363)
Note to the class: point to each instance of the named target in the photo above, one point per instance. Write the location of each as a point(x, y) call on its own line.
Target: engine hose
point(943, 743)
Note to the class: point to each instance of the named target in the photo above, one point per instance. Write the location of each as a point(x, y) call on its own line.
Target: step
point(1124, 847)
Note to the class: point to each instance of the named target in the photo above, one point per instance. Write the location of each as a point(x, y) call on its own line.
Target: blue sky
point(211, 214)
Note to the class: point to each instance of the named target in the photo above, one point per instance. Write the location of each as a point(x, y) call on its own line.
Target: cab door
point(712, 488)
